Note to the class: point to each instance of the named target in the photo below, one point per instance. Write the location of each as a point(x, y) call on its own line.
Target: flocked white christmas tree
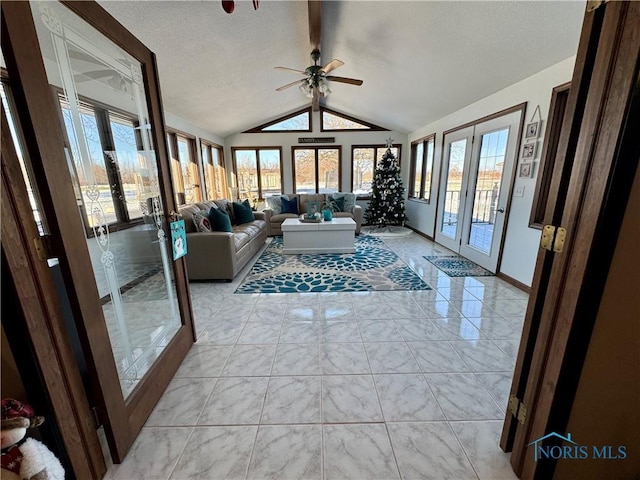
point(386, 206)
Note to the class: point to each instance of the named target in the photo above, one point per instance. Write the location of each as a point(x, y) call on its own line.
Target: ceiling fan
point(316, 77)
point(315, 84)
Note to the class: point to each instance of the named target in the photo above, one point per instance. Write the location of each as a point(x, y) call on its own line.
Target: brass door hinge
point(517, 408)
point(553, 238)
point(558, 243)
point(595, 4)
point(548, 232)
point(43, 247)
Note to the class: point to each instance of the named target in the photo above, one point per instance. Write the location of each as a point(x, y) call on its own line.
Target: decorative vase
point(327, 215)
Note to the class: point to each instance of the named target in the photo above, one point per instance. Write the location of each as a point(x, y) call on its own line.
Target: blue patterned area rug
point(374, 266)
point(457, 266)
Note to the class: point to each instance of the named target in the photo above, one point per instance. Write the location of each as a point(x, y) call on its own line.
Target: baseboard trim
point(422, 234)
point(514, 282)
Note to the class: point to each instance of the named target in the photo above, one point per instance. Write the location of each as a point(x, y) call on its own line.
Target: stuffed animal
point(28, 459)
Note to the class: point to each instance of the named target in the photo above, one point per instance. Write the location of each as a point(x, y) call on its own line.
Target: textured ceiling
point(419, 60)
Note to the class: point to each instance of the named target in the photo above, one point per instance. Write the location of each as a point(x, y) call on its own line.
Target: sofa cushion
point(220, 221)
point(349, 200)
point(275, 204)
point(290, 206)
point(201, 221)
point(282, 217)
point(240, 239)
point(242, 212)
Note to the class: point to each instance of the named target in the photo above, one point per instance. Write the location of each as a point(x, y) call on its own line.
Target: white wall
point(289, 139)
point(521, 242)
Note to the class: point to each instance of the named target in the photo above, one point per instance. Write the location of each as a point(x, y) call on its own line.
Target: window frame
point(102, 112)
point(210, 146)
point(375, 147)
point(172, 136)
point(316, 148)
point(423, 195)
point(261, 128)
point(257, 152)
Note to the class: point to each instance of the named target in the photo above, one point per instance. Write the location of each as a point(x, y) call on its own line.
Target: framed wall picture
point(525, 169)
point(529, 151)
point(532, 130)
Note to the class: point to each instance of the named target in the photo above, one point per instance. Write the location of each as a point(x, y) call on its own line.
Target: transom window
point(258, 172)
point(316, 169)
point(421, 171)
point(364, 159)
point(299, 121)
point(184, 168)
point(215, 179)
point(334, 121)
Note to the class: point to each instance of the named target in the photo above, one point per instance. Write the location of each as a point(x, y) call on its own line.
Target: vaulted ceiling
point(419, 60)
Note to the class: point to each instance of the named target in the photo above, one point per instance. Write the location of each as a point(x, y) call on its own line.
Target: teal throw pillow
point(275, 204)
point(220, 221)
point(290, 206)
point(349, 200)
point(338, 204)
point(242, 212)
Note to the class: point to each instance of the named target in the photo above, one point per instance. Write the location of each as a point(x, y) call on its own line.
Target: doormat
point(373, 266)
point(457, 266)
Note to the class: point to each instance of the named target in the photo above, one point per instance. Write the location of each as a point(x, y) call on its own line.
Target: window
point(331, 120)
point(299, 121)
point(421, 168)
point(258, 172)
point(184, 168)
point(316, 169)
point(113, 144)
point(364, 159)
point(215, 177)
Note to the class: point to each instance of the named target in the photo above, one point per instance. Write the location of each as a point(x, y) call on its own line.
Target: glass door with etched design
point(109, 203)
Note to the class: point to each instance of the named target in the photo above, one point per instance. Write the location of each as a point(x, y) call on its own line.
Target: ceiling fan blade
point(351, 81)
point(315, 23)
point(290, 85)
point(332, 65)
point(290, 70)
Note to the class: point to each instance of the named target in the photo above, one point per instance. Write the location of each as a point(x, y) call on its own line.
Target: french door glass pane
point(488, 180)
point(132, 268)
point(247, 174)
point(363, 165)
point(305, 166)
point(419, 152)
point(328, 170)
point(455, 167)
point(270, 172)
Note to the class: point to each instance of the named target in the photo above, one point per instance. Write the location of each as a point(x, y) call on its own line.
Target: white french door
point(475, 183)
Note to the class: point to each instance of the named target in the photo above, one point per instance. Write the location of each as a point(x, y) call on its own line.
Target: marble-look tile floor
point(344, 385)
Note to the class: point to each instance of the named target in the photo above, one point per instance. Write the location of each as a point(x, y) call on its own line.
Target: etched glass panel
point(112, 161)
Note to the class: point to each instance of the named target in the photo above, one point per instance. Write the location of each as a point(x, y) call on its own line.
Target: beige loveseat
point(274, 220)
point(220, 255)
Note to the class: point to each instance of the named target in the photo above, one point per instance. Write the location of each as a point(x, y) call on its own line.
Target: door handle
point(501, 210)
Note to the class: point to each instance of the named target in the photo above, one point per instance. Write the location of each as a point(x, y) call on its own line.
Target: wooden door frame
point(38, 299)
point(44, 141)
point(596, 163)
